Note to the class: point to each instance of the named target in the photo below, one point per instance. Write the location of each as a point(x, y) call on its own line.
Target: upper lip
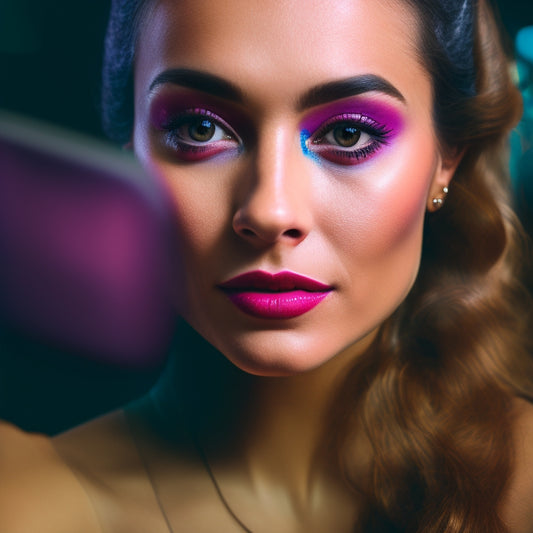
point(280, 282)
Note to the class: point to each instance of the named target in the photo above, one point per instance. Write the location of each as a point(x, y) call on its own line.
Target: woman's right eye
point(200, 130)
point(199, 135)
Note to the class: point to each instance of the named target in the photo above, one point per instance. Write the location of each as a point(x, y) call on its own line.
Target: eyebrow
point(321, 94)
point(336, 90)
point(201, 81)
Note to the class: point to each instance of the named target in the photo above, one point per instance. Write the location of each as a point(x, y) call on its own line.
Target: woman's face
point(295, 138)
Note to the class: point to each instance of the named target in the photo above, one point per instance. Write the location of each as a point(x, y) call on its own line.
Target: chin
point(273, 367)
point(284, 354)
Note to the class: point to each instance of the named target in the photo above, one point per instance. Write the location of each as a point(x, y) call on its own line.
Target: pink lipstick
point(281, 295)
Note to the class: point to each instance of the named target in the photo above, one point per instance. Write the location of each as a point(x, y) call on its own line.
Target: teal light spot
point(524, 43)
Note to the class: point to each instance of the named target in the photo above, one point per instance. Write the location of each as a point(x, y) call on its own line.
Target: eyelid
point(376, 110)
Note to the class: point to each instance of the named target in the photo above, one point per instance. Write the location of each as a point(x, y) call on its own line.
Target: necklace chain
point(205, 463)
point(217, 487)
point(149, 475)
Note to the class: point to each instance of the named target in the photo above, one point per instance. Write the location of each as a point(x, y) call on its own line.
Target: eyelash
point(319, 146)
point(190, 150)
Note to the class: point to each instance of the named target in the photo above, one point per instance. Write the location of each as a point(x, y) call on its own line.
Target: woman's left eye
point(346, 135)
point(348, 140)
point(198, 135)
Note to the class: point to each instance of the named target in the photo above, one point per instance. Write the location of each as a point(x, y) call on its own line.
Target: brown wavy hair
point(431, 402)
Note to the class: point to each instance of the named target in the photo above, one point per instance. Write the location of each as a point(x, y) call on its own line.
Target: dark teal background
point(50, 59)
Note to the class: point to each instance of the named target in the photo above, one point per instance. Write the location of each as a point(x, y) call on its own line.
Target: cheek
point(201, 217)
point(380, 234)
point(200, 200)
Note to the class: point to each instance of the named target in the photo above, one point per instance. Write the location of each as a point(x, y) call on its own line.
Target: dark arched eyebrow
point(353, 86)
point(200, 81)
point(320, 94)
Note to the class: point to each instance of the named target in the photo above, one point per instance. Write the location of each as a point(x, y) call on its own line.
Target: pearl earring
point(438, 202)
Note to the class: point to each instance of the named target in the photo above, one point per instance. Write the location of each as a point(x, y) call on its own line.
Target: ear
point(440, 184)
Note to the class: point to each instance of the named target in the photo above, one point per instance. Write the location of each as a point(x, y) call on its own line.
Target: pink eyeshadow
point(385, 115)
point(170, 104)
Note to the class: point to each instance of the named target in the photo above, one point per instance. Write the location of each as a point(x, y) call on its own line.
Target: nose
point(274, 204)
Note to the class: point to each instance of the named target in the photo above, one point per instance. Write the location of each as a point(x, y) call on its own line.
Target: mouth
point(279, 296)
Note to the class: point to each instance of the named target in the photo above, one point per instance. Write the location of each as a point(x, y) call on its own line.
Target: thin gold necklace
point(201, 453)
point(221, 497)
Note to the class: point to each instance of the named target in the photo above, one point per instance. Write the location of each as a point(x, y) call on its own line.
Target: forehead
point(280, 47)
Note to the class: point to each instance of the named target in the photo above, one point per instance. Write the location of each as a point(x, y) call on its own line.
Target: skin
point(270, 207)
point(267, 200)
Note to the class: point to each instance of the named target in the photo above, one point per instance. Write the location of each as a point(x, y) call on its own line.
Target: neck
point(273, 427)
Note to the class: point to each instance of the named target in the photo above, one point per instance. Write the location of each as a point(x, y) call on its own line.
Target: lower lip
point(288, 304)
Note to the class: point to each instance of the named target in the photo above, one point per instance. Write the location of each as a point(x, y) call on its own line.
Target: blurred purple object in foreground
point(84, 242)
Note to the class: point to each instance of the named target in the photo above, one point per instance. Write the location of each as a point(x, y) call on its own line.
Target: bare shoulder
point(105, 456)
point(38, 491)
point(518, 505)
point(98, 446)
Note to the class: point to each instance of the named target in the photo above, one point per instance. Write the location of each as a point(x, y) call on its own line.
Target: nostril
point(293, 233)
point(247, 232)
